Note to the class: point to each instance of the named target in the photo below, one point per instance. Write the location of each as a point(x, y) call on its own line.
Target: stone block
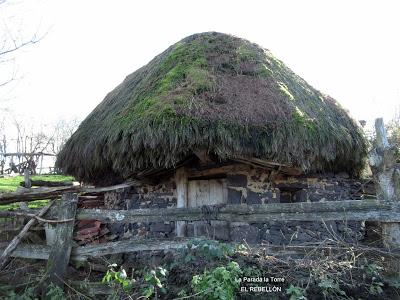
point(234, 197)
point(253, 198)
point(314, 197)
point(237, 180)
point(116, 228)
point(133, 202)
point(160, 202)
point(190, 230)
point(160, 227)
point(300, 196)
point(286, 197)
point(292, 185)
point(218, 230)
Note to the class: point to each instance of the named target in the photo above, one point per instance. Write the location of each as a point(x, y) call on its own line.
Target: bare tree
point(63, 130)
point(32, 143)
point(12, 40)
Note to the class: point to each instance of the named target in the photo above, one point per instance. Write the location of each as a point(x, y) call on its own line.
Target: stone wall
point(159, 196)
point(257, 186)
point(251, 186)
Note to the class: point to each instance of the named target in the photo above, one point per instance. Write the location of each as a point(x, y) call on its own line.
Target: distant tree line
point(23, 144)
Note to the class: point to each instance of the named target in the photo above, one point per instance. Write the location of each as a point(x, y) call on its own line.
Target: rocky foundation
point(251, 186)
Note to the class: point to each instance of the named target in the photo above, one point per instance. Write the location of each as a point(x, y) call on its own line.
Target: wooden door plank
point(182, 198)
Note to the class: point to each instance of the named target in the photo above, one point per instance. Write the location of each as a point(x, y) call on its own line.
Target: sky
point(347, 49)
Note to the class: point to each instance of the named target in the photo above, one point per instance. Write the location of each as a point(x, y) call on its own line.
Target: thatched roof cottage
point(217, 119)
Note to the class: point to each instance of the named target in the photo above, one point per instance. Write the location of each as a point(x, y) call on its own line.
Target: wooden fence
point(65, 213)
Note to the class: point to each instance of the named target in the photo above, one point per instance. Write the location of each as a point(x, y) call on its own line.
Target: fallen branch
point(47, 183)
point(27, 195)
point(6, 214)
point(15, 241)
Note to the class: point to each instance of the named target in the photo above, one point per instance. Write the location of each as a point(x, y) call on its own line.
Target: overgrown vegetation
point(213, 270)
point(10, 184)
point(220, 283)
point(215, 92)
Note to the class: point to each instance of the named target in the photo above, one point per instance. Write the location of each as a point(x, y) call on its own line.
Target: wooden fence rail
point(62, 252)
point(27, 195)
point(352, 210)
point(81, 253)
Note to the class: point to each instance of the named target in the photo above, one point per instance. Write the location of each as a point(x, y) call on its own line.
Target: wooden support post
point(182, 198)
point(27, 184)
point(27, 181)
point(61, 249)
point(383, 165)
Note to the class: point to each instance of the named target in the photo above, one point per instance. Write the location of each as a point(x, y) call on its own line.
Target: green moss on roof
point(220, 93)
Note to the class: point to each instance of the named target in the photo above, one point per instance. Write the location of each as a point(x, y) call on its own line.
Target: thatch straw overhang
point(222, 95)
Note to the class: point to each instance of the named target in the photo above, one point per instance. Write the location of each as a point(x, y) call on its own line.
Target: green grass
point(10, 184)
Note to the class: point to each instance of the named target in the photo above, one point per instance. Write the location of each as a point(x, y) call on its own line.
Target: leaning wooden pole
point(15, 241)
point(382, 160)
point(61, 249)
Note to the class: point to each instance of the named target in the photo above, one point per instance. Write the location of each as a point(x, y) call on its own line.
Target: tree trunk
point(386, 173)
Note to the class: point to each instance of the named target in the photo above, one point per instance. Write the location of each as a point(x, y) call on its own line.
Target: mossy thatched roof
point(221, 94)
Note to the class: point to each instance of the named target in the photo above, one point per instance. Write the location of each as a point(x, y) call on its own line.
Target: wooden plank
point(30, 251)
point(132, 245)
point(217, 194)
point(269, 165)
point(192, 193)
point(81, 253)
point(61, 250)
point(143, 244)
point(28, 154)
point(206, 192)
point(222, 170)
point(47, 183)
point(89, 190)
point(201, 194)
point(303, 211)
point(182, 198)
point(27, 195)
point(34, 194)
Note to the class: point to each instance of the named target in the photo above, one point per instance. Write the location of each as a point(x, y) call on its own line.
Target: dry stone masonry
point(251, 186)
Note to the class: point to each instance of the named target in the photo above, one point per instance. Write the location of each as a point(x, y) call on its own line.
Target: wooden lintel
point(232, 168)
point(269, 165)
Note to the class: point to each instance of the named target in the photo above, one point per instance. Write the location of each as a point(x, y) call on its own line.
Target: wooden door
point(208, 192)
